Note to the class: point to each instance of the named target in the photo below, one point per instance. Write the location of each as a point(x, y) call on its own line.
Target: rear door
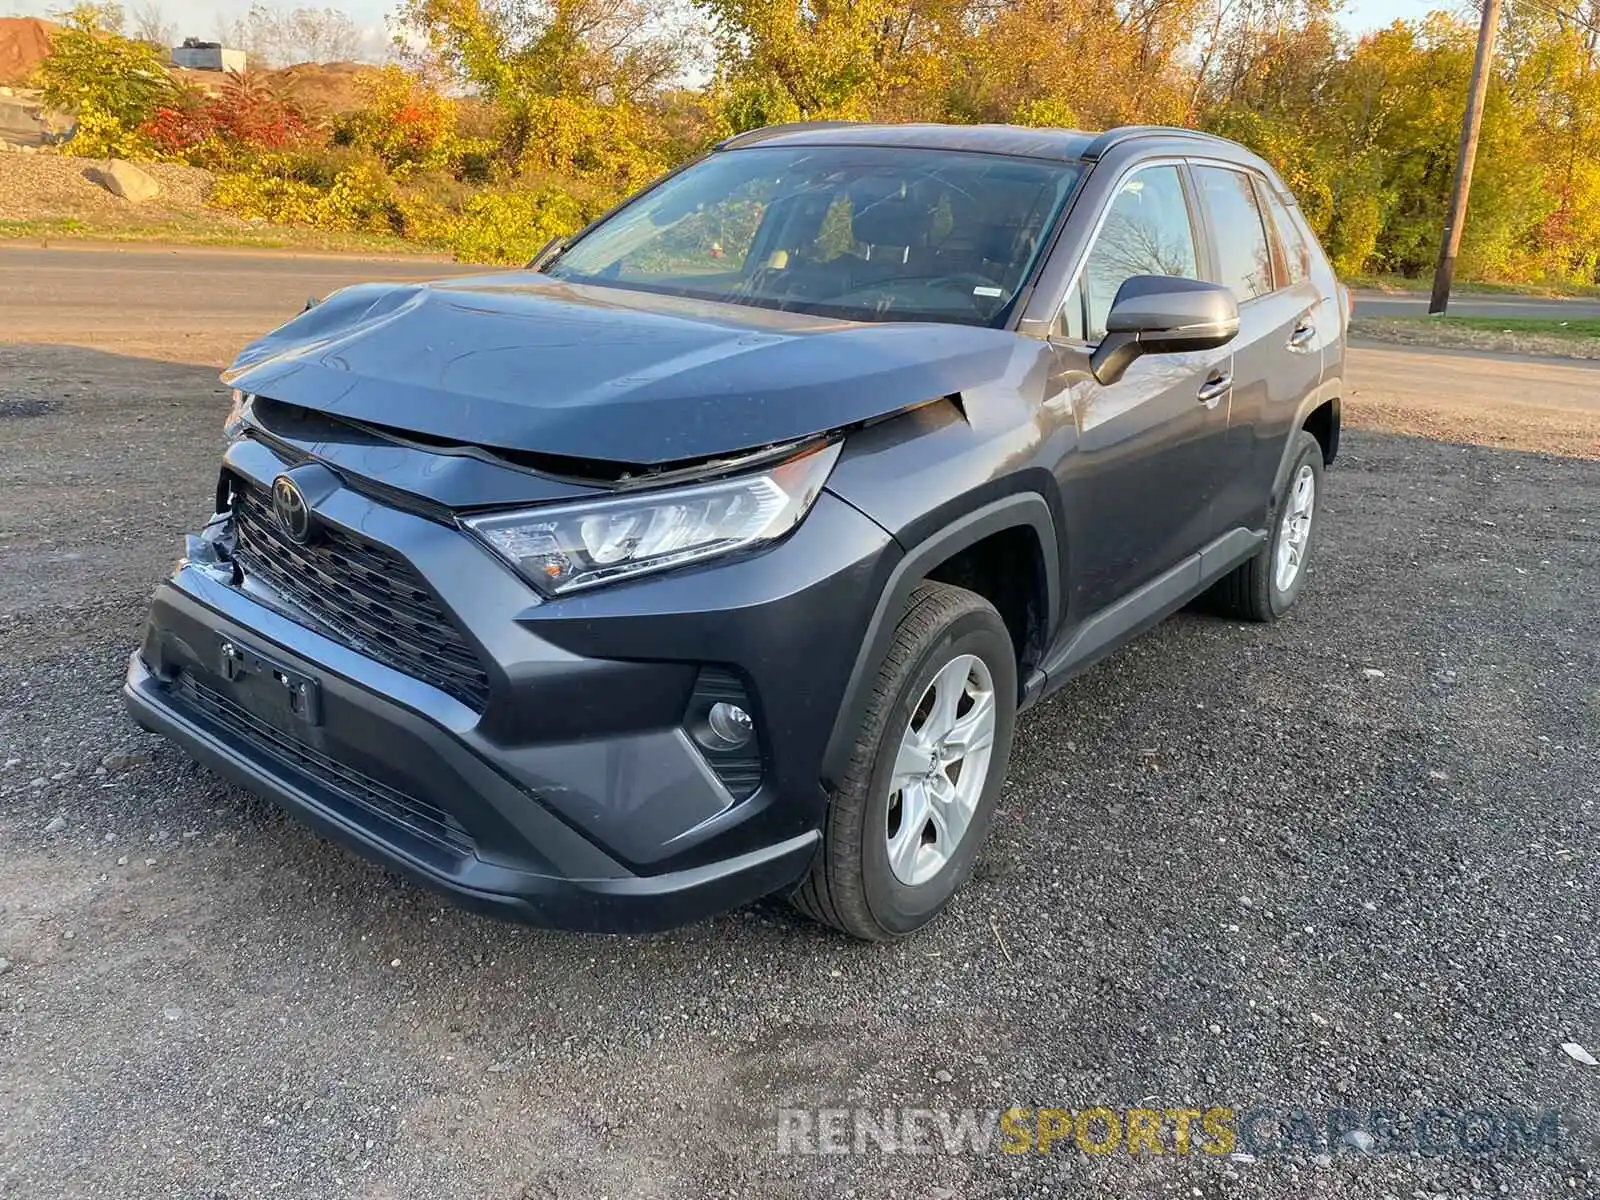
point(1277, 357)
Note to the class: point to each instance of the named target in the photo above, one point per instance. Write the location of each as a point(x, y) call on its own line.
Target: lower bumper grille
point(415, 816)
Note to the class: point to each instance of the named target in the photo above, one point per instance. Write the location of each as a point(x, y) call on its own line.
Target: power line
point(1553, 11)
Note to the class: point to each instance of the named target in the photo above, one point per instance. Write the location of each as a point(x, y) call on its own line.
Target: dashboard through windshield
point(860, 232)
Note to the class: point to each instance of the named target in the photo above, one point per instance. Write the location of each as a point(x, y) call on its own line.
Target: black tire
point(1249, 592)
point(851, 885)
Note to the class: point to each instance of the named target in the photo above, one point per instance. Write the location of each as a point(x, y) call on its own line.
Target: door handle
point(1214, 388)
point(1302, 335)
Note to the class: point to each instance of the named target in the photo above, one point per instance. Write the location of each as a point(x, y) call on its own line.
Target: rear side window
point(1244, 258)
point(1296, 253)
point(1147, 231)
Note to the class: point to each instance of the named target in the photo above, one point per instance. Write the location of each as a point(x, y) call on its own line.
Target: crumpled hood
point(523, 362)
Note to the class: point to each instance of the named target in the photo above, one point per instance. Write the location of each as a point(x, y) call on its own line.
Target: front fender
point(1024, 509)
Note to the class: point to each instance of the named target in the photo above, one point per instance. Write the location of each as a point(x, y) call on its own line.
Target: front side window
point(860, 232)
point(1244, 257)
point(1147, 231)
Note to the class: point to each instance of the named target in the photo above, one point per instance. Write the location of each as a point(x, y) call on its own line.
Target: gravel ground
point(1345, 861)
point(50, 184)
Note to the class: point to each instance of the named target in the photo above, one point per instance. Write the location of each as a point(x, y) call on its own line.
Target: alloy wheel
point(1294, 531)
point(940, 769)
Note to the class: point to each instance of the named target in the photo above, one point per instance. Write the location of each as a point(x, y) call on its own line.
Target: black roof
point(1061, 145)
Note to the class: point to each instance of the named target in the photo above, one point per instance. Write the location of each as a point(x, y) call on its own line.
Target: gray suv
point(714, 555)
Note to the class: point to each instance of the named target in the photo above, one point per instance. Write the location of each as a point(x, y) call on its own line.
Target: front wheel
point(912, 809)
point(1267, 586)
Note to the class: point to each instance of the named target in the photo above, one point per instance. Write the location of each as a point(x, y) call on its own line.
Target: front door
point(1139, 486)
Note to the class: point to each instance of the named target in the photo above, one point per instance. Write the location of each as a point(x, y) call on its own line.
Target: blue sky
point(199, 18)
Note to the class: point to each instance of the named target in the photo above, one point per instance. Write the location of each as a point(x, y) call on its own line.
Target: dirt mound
point(24, 43)
point(322, 89)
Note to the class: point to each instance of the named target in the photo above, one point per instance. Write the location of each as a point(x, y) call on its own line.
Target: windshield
point(860, 232)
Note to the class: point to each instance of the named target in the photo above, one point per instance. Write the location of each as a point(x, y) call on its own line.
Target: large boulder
point(125, 180)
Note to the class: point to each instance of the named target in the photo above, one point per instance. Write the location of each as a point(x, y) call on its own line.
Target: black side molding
point(1118, 622)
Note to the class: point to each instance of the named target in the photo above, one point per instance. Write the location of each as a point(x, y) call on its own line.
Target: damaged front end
point(561, 525)
point(211, 549)
point(531, 367)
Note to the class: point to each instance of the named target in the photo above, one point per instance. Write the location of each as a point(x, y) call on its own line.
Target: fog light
point(730, 724)
point(720, 717)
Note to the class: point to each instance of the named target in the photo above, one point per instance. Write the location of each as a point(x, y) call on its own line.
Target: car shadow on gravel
point(1340, 861)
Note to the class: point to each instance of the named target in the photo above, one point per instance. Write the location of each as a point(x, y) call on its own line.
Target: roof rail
point(751, 136)
point(1127, 133)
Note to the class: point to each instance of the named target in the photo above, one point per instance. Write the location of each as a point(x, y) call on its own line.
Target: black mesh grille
point(417, 817)
point(362, 594)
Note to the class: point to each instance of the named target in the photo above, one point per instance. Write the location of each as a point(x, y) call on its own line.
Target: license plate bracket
point(271, 683)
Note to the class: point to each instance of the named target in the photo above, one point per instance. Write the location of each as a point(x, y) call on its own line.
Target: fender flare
point(1307, 406)
point(1026, 510)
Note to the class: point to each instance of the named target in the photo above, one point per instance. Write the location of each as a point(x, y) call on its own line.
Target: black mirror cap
point(1195, 314)
point(1163, 314)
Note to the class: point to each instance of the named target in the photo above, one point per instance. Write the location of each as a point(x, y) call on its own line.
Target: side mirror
point(548, 251)
point(1162, 314)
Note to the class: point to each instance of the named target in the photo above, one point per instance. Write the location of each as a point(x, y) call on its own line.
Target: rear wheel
point(913, 807)
point(1266, 587)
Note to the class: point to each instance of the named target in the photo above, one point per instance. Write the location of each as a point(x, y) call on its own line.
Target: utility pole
point(1444, 273)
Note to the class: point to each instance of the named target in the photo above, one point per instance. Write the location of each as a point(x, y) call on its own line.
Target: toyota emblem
point(289, 506)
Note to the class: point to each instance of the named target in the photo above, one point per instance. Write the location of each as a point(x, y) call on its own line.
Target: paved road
point(1458, 378)
point(112, 295)
point(1380, 304)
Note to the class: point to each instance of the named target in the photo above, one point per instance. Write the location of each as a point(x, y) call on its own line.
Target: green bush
point(511, 227)
point(111, 84)
point(1354, 236)
point(267, 198)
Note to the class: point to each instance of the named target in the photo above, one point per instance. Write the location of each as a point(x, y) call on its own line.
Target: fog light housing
point(730, 725)
point(721, 720)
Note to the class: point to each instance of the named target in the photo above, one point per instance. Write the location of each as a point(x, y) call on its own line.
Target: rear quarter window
point(1296, 252)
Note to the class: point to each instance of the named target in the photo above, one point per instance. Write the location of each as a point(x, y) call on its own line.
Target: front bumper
point(575, 798)
point(579, 888)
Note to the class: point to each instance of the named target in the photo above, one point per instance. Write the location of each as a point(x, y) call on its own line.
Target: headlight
point(568, 547)
point(233, 425)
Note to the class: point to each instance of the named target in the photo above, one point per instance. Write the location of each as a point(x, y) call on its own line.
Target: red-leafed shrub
point(250, 114)
point(247, 116)
point(176, 130)
point(401, 120)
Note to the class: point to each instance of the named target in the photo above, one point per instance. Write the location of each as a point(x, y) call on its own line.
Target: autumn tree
point(276, 37)
point(150, 24)
point(110, 84)
point(571, 81)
